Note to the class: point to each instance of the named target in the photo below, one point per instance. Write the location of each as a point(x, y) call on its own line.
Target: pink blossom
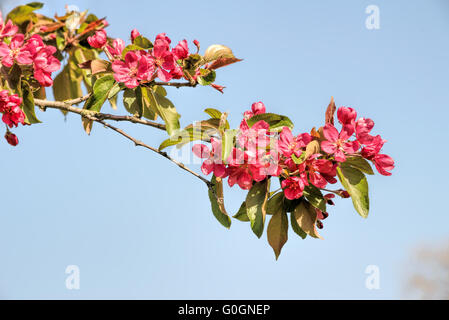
point(213, 162)
point(15, 52)
point(337, 143)
point(294, 186)
point(321, 171)
point(289, 145)
point(383, 163)
point(163, 57)
point(44, 64)
point(116, 49)
point(373, 147)
point(134, 34)
point(346, 115)
point(8, 29)
point(362, 129)
point(11, 138)
point(10, 107)
point(255, 137)
point(135, 68)
point(181, 51)
point(99, 39)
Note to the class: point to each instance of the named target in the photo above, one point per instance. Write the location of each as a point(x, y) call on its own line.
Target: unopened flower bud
point(11, 138)
point(134, 34)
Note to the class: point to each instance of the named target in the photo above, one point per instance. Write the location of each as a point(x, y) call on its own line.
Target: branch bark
point(68, 106)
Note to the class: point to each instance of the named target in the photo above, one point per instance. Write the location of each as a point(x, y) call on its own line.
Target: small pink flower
point(136, 67)
point(346, 115)
point(11, 138)
point(362, 129)
point(163, 57)
point(373, 147)
point(8, 29)
point(294, 186)
point(15, 52)
point(258, 108)
point(12, 114)
point(134, 34)
point(181, 51)
point(44, 64)
point(321, 171)
point(289, 145)
point(99, 39)
point(255, 137)
point(383, 163)
point(213, 162)
point(116, 49)
point(337, 143)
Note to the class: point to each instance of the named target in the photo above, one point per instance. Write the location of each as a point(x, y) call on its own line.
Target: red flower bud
point(134, 34)
point(11, 138)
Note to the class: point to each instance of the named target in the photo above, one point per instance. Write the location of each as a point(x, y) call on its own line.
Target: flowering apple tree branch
point(262, 149)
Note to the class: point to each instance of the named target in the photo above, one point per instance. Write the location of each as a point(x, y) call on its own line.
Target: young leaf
point(359, 163)
point(330, 111)
point(24, 13)
point(315, 197)
point(101, 90)
point(305, 217)
point(275, 203)
point(217, 202)
point(166, 110)
point(277, 231)
point(217, 51)
point(256, 202)
point(354, 181)
point(312, 148)
point(207, 77)
point(28, 104)
point(276, 121)
point(143, 42)
point(214, 113)
point(296, 227)
point(228, 143)
point(241, 214)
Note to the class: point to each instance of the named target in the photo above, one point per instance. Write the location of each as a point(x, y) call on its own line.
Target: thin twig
point(68, 106)
point(175, 84)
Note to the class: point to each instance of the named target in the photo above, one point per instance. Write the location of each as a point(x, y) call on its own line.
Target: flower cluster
point(14, 48)
point(138, 66)
point(12, 114)
point(307, 159)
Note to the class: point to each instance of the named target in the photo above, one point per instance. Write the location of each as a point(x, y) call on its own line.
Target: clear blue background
point(139, 227)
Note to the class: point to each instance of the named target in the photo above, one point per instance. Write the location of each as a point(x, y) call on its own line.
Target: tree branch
point(175, 84)
point(68, 106)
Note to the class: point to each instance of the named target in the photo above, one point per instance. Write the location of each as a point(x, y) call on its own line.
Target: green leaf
point(296, 227)
point(305, 217)
point(143, 42)
point(185, 136)
point(277, 231)
point(167, 111)
point(276, 121)
point(228, 143)
point(214, 113)
point(359, 163)
point(241, 214)
point(354, 181)
point(131, 47)
point(315, 197)
point(24, 13)
point(256, 202)
point(67, 84)
point(132, 100)
point(149, 109)
point(217, 202)
point(28, 104)
point(207, 77)
point(101, 90)
point(275, 202)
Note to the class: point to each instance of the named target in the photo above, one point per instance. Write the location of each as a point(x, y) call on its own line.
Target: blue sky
point(138, 227)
